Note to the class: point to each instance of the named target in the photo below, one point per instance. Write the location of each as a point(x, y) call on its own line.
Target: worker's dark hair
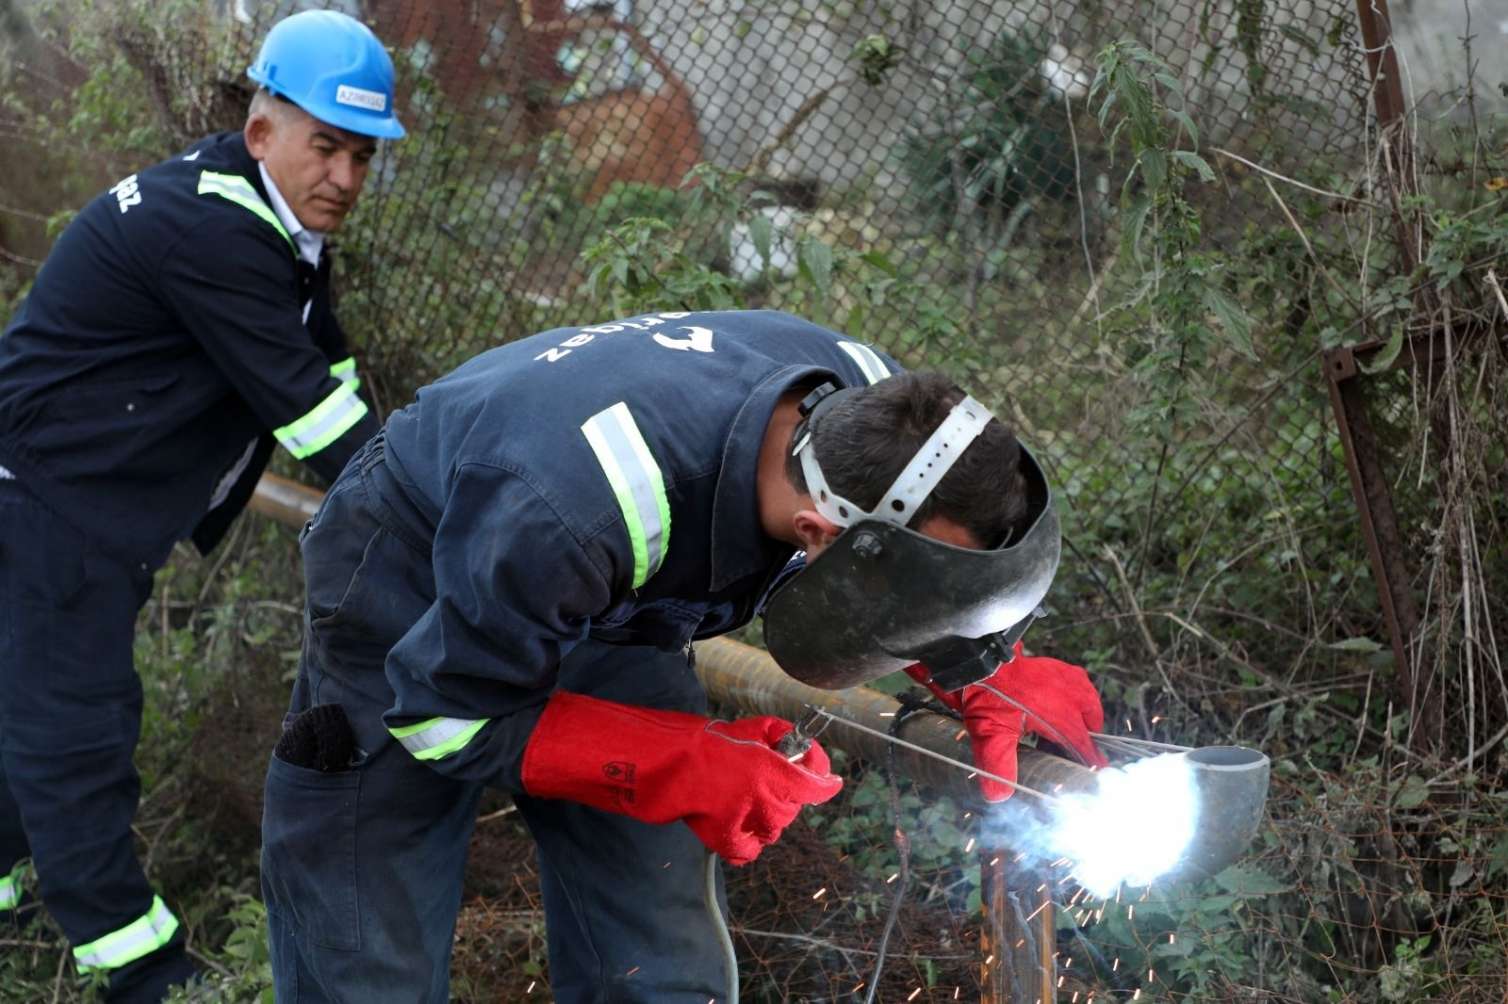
point(864, 441)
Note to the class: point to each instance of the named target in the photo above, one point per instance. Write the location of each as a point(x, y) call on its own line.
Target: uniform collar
point(309, 242)
point(739, 545)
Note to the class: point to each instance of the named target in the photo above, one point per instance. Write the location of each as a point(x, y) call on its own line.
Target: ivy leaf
point(1413, 793)
point(1497, 860)
point(1365, 645)
point(1189, 158)
point(1383, 359)
point(816, 262)
point(759, 234)
point(1249, 880)
point(1235, 321)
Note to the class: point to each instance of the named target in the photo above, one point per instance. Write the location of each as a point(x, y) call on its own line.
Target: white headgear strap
point(922, 474)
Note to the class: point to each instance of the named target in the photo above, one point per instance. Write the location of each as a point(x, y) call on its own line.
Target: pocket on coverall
point(309, 842)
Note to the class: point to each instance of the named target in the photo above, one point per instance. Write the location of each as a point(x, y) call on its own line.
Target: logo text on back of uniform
point(358, 97)
point(126, 193)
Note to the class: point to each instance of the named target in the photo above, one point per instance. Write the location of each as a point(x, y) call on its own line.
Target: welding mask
point(882, 595)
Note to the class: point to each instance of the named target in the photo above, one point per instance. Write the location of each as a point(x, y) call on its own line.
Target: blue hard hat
point(334, 68)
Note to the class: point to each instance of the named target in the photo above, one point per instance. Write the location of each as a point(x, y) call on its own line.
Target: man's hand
point(725, 780)
point(1050, 698)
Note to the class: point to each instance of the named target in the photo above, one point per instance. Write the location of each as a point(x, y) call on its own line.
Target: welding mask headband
point(882, 596)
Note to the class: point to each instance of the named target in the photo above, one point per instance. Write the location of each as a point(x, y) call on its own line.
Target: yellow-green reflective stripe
point(10, 892)
point(869, 361)
point(345, 370)
point(637, 484)
point(144, 934)
point(323, 424)
point(437, 738)
point(238, 190)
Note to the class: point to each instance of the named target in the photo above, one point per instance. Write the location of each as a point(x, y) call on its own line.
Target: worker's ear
point(258, 134)
point(814, 530)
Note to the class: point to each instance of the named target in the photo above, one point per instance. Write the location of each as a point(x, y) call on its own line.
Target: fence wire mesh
point(936, 179)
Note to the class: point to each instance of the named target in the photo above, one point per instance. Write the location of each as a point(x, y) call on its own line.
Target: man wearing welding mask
point(502, 591)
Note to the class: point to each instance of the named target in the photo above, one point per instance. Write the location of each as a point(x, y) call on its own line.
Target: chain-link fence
point(947, 181)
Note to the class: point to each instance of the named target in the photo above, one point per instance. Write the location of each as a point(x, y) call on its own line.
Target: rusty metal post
point(1387, 97)
point(1379, 528)
point(1018, 941)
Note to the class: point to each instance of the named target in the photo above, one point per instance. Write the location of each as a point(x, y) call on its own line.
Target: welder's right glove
point(724, 779)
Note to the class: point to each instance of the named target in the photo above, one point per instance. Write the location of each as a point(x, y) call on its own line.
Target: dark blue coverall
point(570, 511)
point(162, 351)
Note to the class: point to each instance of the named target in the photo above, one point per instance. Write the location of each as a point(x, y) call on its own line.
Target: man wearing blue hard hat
point(178, 332)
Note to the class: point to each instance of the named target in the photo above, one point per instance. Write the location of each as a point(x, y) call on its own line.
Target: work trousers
point(362, 869)
point(70, 715)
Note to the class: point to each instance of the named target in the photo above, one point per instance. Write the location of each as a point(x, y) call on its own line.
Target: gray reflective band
point(437, 738)
point(637, 484)
point(324, 423)
point(143, 935)
point(869, 361)
point(10, 892)
point(240, 191)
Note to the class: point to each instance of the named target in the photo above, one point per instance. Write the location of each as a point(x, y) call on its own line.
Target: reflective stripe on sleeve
point(10, 892)
point(144, 934)
point(869, 361)
point(637, 484)
point(437, 738)
point(324, 424)
point(238, 190)
point(345, 370)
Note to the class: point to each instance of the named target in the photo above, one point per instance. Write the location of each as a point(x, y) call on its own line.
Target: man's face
point(318, 168)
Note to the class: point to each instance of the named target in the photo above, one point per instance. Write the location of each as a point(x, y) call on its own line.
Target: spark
point(994, 861)
point(959, 737)
point(1038, 910)
point(1136, 996)
point(1068, 964)
point(1044, 886)
point(530, 988)
point(1116, 965)
point(989, 960)
point(857, 987)
point(887, 714)
point(1060, 981)
point(1130, 911)
point(635, 969)
point(968, 846)
point(1128, 726)
point(1170, 937)
point(1156, 719)
point(1020, 942)
point(892, 878)
point(914, 994)
point(966, 815)
point(955, 992)
point(1151, 976)
point(820, 893)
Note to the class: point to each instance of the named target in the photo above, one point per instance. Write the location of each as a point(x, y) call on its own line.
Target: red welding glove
point(724, 779)
point(1064, 705)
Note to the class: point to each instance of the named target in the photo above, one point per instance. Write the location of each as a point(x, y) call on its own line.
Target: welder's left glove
point(1031, 693)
